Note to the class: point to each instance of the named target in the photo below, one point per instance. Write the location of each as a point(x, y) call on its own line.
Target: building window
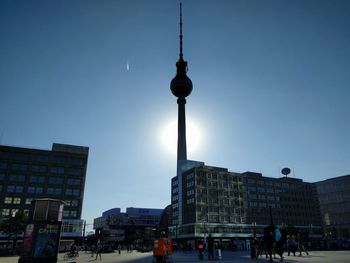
point(74, 171)
point(16, 200)
point(75, 202)
point(262, 197)
point(39, 158)
point(58, 159)
point(190, 201)
point(19, 167)
point(29, 201)
point(6, 212)
point(57, 170)
point(14, 212)
point(10, 188)
point(253, 204)
point(2, 176)
point(72, 227)
point(19, 189)
point(73, 213)
point(65, 213)
point(285, 185)
point(189, 184)
point(17, 178)
point(8, 200)
point(35, 190)
point(75, 161)
point(71, 181)
point(14, 189)
point(191, 192)
point(261, 190)
point(3, 155)
point(75, 192)
point(37, 179)
point(39, 169)
point(3, 165)
point(54, 191)
point(190, 176)
point(55, 180)
point(20, 156)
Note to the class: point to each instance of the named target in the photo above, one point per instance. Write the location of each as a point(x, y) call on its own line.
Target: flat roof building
point(334, 197)
point(115, 225)
point(59, 173)
point(208, 199)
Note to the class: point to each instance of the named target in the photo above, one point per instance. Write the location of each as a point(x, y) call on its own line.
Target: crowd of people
point(274, 243)
point(97, 249)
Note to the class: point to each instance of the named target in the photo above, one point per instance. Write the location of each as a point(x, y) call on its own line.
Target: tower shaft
point(181, 130)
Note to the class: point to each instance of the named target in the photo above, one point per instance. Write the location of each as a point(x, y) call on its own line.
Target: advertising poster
point(28, 240)
point(47, 241)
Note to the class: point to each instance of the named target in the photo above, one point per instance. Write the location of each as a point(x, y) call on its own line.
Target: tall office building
point(228, 204)
point(27, 174)
point(334, 197)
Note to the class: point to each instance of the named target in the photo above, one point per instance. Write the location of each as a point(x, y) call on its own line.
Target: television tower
point(181, 87)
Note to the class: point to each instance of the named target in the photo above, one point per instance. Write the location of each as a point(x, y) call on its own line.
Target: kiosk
point(42, 234)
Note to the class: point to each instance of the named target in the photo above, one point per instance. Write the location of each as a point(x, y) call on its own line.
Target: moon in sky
point(169, 137)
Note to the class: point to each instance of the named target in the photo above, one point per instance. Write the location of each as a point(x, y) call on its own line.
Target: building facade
point(59, 173)
point(334, 197)
point(116, 226)
point(229, 205)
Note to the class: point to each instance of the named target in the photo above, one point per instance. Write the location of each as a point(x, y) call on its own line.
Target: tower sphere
point(181, 85)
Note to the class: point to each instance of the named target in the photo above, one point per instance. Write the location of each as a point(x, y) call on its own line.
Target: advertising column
point(42, 234)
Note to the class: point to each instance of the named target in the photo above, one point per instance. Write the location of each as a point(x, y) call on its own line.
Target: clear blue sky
point(271, 88)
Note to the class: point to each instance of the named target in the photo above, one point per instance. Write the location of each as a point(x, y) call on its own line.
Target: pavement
point(189, 257)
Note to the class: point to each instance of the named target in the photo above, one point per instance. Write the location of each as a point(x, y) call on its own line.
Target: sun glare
point(169, 137)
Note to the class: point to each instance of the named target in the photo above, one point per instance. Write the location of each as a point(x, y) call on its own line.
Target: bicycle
point(71, 255)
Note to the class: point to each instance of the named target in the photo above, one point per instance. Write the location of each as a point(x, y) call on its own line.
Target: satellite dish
point(285, 171)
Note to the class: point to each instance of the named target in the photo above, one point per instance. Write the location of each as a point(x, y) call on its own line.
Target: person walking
point(98, 250)
point(270, 240)
point(279, 247)
point(210, 241)
point(301, 246)
point(291, 244)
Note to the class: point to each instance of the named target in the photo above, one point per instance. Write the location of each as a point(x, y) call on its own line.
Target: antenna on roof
point(181, 54)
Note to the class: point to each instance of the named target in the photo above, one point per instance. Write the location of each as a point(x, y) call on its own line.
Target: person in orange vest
point(200, 249)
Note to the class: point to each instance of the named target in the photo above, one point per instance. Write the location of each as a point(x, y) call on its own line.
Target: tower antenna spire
point(181, 54)
point(181, 87)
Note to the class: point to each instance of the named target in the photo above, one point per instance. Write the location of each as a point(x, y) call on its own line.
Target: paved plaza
point(188, 257)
